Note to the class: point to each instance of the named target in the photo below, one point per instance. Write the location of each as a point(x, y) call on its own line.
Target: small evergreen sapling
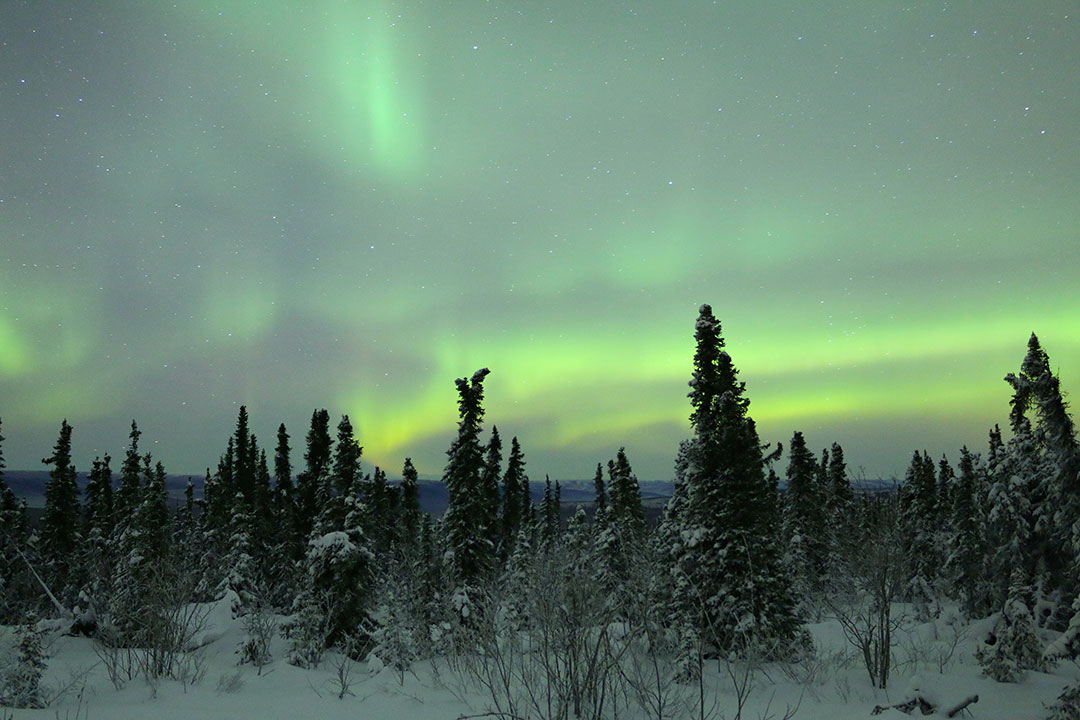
point(1014, 646)
point(22, 684)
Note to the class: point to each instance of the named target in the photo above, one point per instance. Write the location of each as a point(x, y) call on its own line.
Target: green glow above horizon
point(349, 205)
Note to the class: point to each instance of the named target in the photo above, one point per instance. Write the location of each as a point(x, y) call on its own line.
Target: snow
point(935, 659)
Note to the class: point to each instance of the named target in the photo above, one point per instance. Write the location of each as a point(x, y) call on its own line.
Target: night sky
point(347, 205)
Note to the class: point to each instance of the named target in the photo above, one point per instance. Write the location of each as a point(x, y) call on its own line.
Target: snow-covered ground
point(935, 658)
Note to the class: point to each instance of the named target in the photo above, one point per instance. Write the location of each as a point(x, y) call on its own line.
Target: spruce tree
point(599, 491)
point(283, 482)
point(805, 524)
point(514, 494)
point(918, 523)
point(739, 595)
point(1049, 464)
point(627, 512)
point(245, 457)
point(310, 481)
point(967, 547)
point(470, 550)
point(489, 483)
point(20, 687)
point(127, 496)
point(411, 518)
point(60, 526)
point(97, 550)
point(16, 583)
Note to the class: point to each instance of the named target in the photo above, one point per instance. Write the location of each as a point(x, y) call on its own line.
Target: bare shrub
point(260, 627)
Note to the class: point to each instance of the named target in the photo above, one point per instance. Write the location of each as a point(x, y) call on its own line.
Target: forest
point(600, 615)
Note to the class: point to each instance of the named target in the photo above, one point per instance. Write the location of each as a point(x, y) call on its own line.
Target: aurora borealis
point(347, 205)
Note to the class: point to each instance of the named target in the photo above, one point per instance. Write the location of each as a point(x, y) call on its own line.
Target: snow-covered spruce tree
point(1014, 646)
point(619, 537)
point(312, 479)
point(287, 545)
point(1049, 465)
point(515, 499)
point(1009, 513)
point(489, 482)
point(627, 512)
point(469, 549)
point(128, 495)
point(245, 457)
point(1067, 705)
point(739, 594)
point(21, 685)
point(918, 498)
point(241, 571)
point(19, 591)
point(60, 527)
point(599, 491)
point(804, 521)
point(146, 571)
point(840, 524)
point(96, 556)
point(966, 551)
point(335, 598)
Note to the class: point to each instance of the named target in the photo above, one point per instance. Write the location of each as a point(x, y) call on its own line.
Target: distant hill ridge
point(29, 485)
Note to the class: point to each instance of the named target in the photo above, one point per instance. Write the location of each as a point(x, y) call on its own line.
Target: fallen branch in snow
point(511, 716)
point(955, 710)
point(925, 706)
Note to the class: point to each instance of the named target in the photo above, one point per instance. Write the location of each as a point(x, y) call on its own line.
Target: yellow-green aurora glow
point(348, 204)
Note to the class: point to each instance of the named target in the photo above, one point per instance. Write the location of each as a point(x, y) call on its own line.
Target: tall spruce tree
point(310, 482)
point(411, 518)
point(1047, 462)
point(245, 457)
point(60, 526)
point(804, 516)
point(599, 491)
point(967, 547)
point(127, 495)
point(626, 513)
point(515, 500)
point(470, 550)
point(97, 548)
point(16, 583)
point(919, 528)
point(738, 593)
point(489, 483)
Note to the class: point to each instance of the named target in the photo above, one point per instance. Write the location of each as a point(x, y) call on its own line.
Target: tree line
point(735, 565)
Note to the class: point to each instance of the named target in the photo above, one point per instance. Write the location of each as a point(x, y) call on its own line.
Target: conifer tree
point(918, 522)
point(283, 482)
point(127, 496)
point(15, 580)
point(489, 483)
point(20, 687)
point(335, 600)
point(470, 550)
point(738, 594)
point(627, 512)
point(60, 526)
point(515, 499)
point(1013, 646)
point(410, 506)
point(311, 480)
point(98, 527)
point(1049, 466)
point(967, 548)
point(804, 520)
point(241, 575)
point(245, 456)
point(599, 491)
